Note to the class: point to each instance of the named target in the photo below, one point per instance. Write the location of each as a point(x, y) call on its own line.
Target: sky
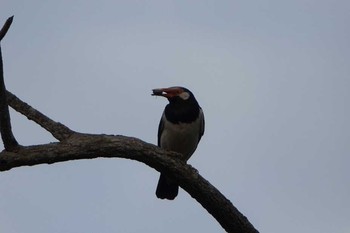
point(271, 76)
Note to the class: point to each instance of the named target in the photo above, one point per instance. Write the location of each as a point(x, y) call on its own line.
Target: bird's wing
point(202, 124)
point(160, 128)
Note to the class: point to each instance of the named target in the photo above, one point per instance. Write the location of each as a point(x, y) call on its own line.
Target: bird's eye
point(184, 95)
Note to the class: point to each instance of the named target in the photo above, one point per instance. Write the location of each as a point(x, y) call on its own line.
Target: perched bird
point(180, 130)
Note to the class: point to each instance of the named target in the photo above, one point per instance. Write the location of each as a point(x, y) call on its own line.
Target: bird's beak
point(166, 92)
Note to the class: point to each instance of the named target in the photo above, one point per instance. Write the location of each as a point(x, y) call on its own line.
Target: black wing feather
point(160, 129)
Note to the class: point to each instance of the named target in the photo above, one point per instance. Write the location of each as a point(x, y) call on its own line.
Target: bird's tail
point(166, 188)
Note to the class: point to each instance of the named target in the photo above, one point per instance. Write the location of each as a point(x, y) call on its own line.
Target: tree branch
point(85, 146)
point(58, 130)
point(7, 136)
point(88, 146)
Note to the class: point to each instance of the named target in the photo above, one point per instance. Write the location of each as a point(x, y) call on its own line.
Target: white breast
point(182, 138)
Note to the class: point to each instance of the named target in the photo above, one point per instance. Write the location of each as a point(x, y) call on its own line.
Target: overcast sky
point(271, 76)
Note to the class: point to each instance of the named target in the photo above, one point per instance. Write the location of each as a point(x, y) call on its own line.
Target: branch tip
point(6, 27)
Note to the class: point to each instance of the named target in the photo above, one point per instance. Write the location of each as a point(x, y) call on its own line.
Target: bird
point(180, 129)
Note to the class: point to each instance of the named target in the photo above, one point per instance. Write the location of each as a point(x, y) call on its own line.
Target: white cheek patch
point(184, 95)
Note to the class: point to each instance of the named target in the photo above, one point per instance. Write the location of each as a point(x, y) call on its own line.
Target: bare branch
point(58, 130)
point(8, 139)
point(84, 146)
point(6, 27)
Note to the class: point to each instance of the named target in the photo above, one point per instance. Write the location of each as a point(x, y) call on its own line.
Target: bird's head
point(174, 94)
point(182, 107)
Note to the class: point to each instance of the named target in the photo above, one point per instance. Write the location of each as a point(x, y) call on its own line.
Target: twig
point(6, 27)
point(58, 130)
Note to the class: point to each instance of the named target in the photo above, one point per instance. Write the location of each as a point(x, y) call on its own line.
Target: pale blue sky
point(271, 76)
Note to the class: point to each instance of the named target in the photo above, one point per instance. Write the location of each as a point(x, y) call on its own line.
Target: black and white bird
point(180, 130)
